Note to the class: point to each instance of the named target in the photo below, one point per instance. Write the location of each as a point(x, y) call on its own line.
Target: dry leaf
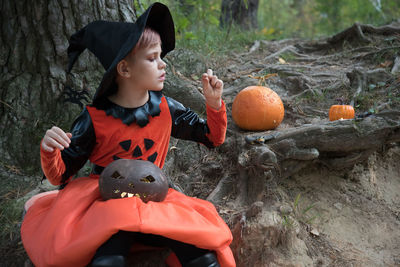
point(314, 232)
point(385, 64)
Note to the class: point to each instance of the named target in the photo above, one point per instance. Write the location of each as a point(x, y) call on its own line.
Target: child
point(129, 118)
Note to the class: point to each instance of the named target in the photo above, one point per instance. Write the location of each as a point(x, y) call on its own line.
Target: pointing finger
point(205, 80)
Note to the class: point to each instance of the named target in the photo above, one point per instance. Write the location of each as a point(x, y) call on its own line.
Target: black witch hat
point(111, 42)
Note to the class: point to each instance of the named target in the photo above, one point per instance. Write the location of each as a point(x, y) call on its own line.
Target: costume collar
point(139, 115)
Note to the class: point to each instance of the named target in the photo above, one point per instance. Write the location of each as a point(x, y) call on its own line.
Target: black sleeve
point(187, 125)
point(82, 143)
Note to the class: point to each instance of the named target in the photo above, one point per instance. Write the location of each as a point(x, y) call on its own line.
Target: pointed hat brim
point(111, 42)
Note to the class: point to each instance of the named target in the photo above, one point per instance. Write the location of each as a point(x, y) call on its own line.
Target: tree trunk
point(240, 13)
point(36, 93)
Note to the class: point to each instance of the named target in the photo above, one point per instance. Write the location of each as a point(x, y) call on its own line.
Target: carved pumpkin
point(257, 108)
point(337, 112)
point(133, 178)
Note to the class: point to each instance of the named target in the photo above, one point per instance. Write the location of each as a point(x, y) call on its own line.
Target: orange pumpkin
point(257, 108)
point(337, 112)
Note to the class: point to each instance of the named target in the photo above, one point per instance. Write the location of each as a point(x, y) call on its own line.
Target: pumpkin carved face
point(257, 108)
point(337, 112)
point(133, 178)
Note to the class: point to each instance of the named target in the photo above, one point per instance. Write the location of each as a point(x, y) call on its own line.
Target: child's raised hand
point(56, 138)
point(212, 89)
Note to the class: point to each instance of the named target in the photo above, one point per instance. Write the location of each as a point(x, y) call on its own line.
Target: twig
point(290, 48)
point(262, 79)
point(6, 104)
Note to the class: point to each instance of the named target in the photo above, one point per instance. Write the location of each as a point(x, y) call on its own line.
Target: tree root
point(346, 161)
point(307, 91)
point(338, 144)
point(222, 189)
point(360, 78)
point(354, 31)
point(357, 32)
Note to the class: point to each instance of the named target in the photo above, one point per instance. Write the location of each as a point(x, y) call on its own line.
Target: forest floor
point(316, 216)
point(340, 217)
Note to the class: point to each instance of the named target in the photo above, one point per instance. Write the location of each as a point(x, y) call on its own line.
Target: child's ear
point(123, 68)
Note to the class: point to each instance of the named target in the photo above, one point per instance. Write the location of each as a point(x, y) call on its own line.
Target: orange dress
point(66, 227)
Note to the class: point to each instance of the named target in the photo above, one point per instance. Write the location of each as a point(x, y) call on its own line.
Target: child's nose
point(162, 64)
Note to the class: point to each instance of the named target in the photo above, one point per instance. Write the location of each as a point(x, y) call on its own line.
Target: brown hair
point(148, 38)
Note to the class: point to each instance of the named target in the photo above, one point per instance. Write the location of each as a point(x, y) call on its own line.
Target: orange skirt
point(65, 228)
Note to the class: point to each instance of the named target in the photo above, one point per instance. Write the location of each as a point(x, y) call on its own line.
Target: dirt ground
point(357, 211)
point(317, 216)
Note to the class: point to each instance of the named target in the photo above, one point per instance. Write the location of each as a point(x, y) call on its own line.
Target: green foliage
point(197, 21)
point(287, 221)
point(315, 18)
point(301, 213)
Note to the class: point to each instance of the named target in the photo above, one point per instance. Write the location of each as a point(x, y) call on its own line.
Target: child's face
point(147, 68)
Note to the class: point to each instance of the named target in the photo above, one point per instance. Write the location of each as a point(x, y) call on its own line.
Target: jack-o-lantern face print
point(133, 178)
point(137, 152)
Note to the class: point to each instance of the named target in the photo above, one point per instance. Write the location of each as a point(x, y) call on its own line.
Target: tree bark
point(236, 11)
point(36, 93)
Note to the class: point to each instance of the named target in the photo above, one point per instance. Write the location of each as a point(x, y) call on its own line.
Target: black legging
point(121, 242)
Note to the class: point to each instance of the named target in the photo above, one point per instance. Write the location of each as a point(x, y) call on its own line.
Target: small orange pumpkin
point(337, 112)
point(257, 108)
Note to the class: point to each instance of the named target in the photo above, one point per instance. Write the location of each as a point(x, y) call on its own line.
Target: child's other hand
point(56, 138)
point(212, 89)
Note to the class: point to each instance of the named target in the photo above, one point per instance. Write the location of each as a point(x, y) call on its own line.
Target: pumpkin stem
point(262, 79)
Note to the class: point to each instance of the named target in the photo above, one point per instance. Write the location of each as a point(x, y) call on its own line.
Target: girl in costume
point(129, 118)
